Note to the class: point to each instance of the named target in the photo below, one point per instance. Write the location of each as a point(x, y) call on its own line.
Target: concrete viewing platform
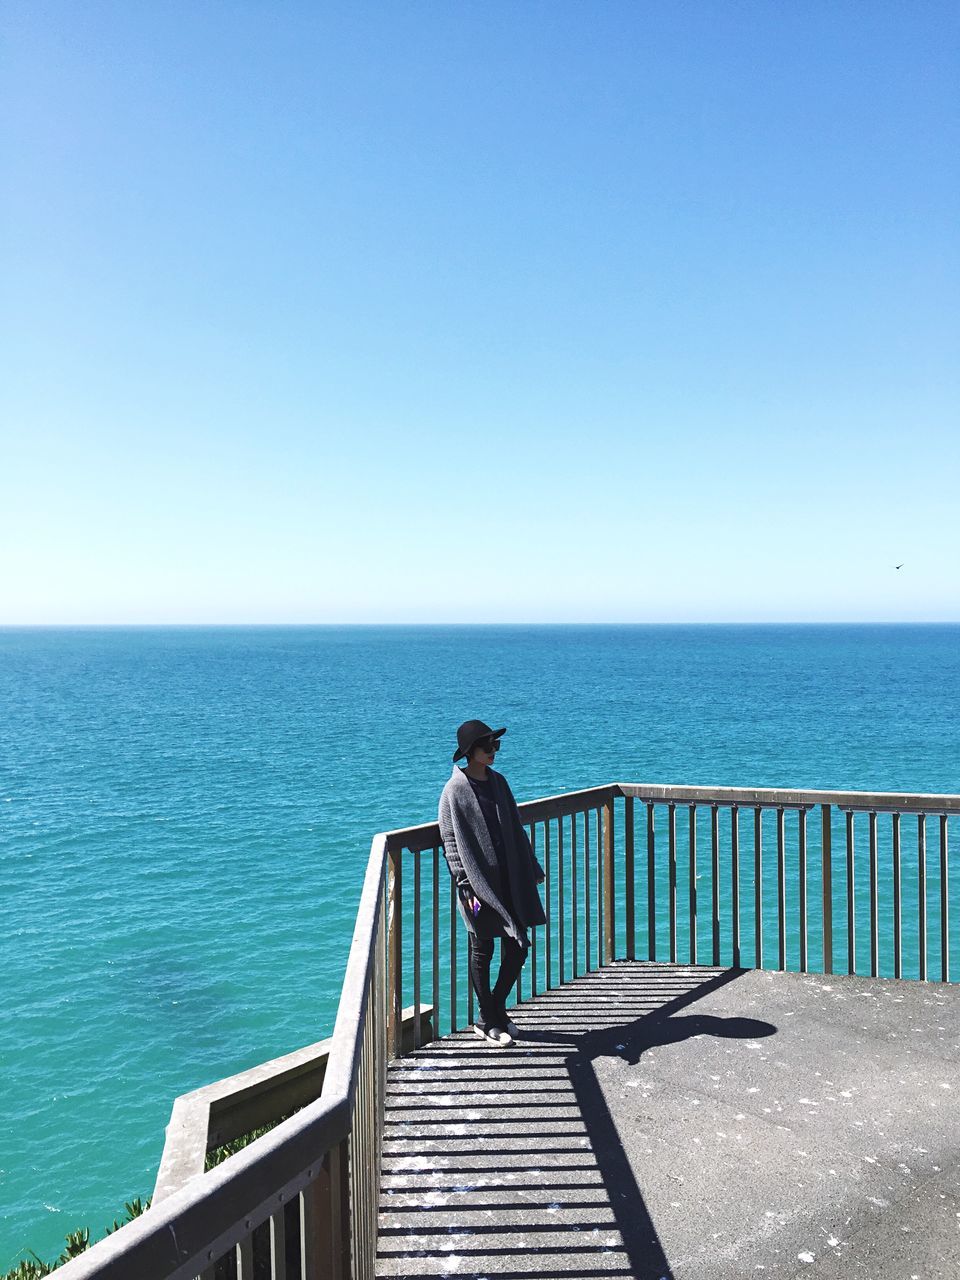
point(663, 1120)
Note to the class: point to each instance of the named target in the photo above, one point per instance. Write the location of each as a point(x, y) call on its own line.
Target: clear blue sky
point(479, 311)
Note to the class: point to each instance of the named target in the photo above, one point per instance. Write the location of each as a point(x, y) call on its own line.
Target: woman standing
point(491, 860)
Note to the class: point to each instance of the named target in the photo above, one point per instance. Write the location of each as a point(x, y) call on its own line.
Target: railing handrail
point(774, 797)
point(426, 835)
point(169, 1241)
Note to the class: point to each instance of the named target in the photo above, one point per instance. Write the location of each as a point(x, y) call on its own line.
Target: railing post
point(454, 1015)
point(609, 931)
point(692, 878)
point(851, 895)
point(944, 903)
point(278, 1244)
point(874, 877)
point(672, 879)
point(547, 904)
point(436, 943)
point(561, 907)
point(826, 854)
point(395, 985)
point(651, 884)
point(715, 871)
point(533, 939)
point(735, 882)
point(574, 911)
point(587, 954)
point(244, 1258)
point(758, 887)
point(897, 906)
point(781, 893)
point(416, 949)
point(629, 874)
point(324, 1210)
point(802, 873)
point(922, 893)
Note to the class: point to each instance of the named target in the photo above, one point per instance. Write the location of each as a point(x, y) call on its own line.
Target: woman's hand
point(540, 879)
point(470, 899)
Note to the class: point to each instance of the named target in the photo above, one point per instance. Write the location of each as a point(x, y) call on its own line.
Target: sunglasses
point(489, 745)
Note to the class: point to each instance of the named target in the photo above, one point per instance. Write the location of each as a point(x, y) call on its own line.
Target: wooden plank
point(692, 906)
point(772, 798)
point(586, 889)
point(944, 903)
point(672, 880)
point(454, 1017)
point(781, 893)
point(874, 924)
point(278, 1246)
point(561, 930)
point(425, 835)
point(758, 887)
point(533, 943)
point(735, 882)
point(851, 893)
point(802, 873)
point(244, 1255)
point(826, 881)
point(436, 941)
point(547, 904)
point(922, 894)
point(395, 934)
point(185, 1148)
point(629, 877)
point(897, 903)
point(416, 946)
point(574, 913)
point(609, 885)
point(715, 878)
point(651, 883)
point(601, 933)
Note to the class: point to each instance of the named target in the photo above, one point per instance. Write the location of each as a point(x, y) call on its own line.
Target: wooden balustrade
point(302, 1199)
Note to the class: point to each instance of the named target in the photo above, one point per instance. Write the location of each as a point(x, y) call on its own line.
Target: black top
point(483, 790)
point(484, 793)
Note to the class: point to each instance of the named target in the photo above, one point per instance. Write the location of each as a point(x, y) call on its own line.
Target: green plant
point(76, 1242)
point(219, 1154)
point(134, 1208)
point(29, 1271)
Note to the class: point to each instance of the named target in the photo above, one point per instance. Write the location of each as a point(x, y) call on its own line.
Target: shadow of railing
point(593, 1214)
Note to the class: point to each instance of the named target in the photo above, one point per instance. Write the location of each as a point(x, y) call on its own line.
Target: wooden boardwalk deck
point(674, 1121)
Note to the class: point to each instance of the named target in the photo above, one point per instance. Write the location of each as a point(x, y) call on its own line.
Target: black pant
point(512, 958)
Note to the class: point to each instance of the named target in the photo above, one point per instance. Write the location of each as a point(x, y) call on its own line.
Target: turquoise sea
point(186, 813)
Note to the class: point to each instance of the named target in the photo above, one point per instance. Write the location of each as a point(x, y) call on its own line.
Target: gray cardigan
point(472, 859)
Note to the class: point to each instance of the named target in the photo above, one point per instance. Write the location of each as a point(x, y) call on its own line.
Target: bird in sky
point(899, 566)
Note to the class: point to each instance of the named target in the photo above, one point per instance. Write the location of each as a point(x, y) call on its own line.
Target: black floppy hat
point(470, 732)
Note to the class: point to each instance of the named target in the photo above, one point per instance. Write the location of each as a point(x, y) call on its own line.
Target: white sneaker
point(493, 1035)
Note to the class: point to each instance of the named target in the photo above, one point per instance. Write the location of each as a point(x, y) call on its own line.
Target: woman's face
point(485, 750)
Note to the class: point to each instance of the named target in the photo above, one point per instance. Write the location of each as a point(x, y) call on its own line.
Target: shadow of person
point(631, 1042)
point(628, 1041)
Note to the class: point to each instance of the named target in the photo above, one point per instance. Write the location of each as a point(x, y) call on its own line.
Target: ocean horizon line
point(611, 623)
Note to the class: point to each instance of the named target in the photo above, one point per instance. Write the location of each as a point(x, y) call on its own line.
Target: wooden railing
point(712, 874)
point(624, 867)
